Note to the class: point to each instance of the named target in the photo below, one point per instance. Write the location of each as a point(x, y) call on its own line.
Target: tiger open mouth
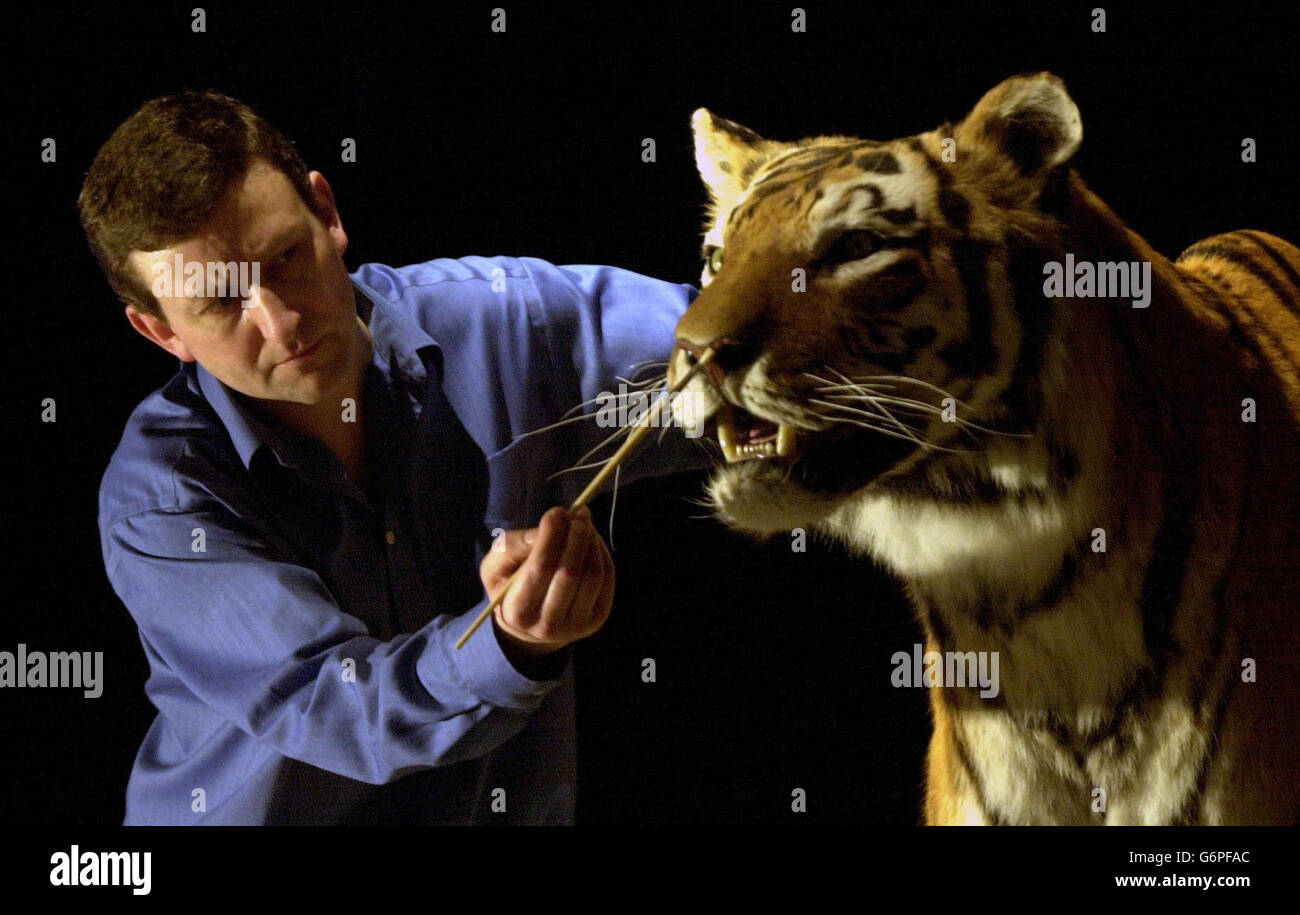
point(829, 462)
point(746, 437)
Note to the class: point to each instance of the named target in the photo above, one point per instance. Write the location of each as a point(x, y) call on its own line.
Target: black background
point(773, 666)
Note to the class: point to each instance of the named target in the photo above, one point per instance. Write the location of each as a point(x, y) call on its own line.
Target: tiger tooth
point(727, 435)
point(784, 440)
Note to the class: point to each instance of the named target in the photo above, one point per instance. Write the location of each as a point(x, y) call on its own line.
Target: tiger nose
point(729, 354)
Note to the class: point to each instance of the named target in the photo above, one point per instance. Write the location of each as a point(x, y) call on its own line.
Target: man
point(294, 520)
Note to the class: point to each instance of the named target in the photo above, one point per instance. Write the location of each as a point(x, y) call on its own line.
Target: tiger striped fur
point(851, 286)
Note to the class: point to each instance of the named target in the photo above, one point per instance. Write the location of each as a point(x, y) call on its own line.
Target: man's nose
point(276, 319)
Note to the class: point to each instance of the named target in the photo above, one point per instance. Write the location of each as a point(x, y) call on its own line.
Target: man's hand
point(566, 589)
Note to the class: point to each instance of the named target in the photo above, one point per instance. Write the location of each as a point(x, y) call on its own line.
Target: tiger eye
point(715, 260)
point(853, 246)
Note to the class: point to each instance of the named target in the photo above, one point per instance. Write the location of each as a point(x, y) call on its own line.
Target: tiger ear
point(725, 154)
point(1030, 120)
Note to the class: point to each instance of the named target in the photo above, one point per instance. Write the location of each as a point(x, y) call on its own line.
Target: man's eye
point(713, 258)
point(289, 255)
point(853, 245)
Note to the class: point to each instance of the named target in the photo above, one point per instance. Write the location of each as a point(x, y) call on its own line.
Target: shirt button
point(390, 537)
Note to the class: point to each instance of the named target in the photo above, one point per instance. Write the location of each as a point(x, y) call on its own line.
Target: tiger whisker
point(875, 427)
point(907, 432)
point(880, 399)
point(884, 431)
point(883, 414)
point(592, 466)
point(900, 402)
point(963, 423)
point(623, 431)
point(848, 384)
point(910, 380)
point(828, 386)
point(567, 417)
point(603, 394)
point(609, 439)
point(922, 406)
point(639, 367)
point(569, 412)
point(626, 430)
point(876, 402)
point(612, 503)
point(652, 381)
point(555, 425)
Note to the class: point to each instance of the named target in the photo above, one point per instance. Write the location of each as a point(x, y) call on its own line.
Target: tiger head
point(859, 297)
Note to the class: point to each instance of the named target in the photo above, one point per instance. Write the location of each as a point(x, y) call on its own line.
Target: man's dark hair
point(161, 174)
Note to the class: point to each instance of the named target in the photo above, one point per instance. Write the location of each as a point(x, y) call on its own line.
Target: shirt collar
point(399, 341)
point(400, 344)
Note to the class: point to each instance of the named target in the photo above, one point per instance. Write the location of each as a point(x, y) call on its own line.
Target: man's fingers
point(507, 553)
point(568, 573)
point(589, 588)
point(524, 603)
point(602, 588)
point(565, 583)
point(514, 546)
point(605, 603)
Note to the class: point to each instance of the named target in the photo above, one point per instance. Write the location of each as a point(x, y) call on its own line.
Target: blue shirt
point(300, 629)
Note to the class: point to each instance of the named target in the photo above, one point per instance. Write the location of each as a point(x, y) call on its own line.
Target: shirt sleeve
point(529, 345)
point(256, 636)
point(602, 325)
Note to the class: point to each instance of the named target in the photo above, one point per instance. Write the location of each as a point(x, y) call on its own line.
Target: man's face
point(298, 337)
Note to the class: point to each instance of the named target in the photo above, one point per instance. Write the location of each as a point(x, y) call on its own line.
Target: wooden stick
point(634, 438)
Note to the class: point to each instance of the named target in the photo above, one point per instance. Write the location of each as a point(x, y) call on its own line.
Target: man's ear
point(1029, 121)
point(327, 211)
point(158, 331)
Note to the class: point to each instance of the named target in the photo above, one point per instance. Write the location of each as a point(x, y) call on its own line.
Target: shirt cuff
point(483, 667)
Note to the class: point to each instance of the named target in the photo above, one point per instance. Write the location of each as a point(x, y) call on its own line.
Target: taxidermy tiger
point(946, 352)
